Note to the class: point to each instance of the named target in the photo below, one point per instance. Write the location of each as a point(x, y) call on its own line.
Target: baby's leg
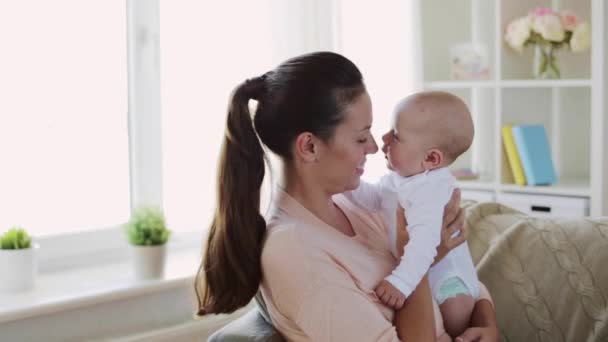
point(456, 313)
point(456, 306)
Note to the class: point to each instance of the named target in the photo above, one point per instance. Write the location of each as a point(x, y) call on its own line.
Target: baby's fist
point(389, 295)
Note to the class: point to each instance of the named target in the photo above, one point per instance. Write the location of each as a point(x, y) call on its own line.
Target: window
point(206, 51)
point(381, 41)
point(63, 116)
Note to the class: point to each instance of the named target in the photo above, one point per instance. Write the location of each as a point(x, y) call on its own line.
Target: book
point(512, 156)
point(534, 153)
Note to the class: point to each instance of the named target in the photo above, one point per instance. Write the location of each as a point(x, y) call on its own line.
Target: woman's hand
point(453, 221)
point(483, 334)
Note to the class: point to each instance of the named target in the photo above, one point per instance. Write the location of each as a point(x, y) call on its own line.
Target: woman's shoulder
point(279, 239)
point(286, 245)
point(288, 266)
point(298, 252)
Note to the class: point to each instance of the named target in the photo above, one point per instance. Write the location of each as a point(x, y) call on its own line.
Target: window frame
point(75, 249)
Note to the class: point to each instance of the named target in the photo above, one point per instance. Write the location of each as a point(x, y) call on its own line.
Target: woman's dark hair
point(308, 93)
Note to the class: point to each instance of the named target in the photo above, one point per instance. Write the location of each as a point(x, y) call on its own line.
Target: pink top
point(318, 283)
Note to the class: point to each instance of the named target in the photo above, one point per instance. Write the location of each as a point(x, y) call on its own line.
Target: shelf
point(577, 188)
point(476, 185)
point(564, 83)
point(544, 83)
point(571, 108)
point(458, 84)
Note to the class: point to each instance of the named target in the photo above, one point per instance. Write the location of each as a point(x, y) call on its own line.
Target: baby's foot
point(389, 295)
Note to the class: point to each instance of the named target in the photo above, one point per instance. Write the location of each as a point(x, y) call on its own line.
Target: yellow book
point(512, 155)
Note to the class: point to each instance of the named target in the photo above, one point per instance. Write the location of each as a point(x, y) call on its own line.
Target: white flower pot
point(18, 268)
point(148, 261)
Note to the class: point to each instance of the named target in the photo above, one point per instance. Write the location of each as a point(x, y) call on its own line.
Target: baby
point(429, 131)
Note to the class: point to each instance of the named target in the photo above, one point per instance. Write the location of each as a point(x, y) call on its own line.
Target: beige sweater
point(319, 284)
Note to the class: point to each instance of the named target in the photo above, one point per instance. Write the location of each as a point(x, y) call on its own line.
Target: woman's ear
point(433, 159)
point(306, 147)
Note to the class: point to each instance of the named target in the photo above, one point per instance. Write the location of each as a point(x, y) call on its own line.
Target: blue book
point(535, 154)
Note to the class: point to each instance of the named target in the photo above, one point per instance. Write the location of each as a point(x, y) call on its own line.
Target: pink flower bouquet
point(548, 30)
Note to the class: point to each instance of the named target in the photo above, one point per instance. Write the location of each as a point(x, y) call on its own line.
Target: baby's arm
point(424, 216)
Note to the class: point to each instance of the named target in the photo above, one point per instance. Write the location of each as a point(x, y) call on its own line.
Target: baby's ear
point(434, 158)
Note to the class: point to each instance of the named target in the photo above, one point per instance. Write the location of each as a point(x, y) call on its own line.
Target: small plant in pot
point(18, 260)
point(148, 234)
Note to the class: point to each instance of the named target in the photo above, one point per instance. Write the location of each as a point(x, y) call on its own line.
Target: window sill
point(73, 288)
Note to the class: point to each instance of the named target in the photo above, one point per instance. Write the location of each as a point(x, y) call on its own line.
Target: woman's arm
point(316, 298)
point(339, 311)
point(416, 320)
point(453, 221)
point(343, 313)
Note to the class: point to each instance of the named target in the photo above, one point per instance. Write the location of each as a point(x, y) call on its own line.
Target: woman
point(319, 256)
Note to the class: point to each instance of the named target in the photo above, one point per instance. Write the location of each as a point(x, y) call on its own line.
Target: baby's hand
point(389, 295)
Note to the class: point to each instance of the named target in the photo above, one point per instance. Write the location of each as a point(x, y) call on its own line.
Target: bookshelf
point(508, 84)
point(572, 108)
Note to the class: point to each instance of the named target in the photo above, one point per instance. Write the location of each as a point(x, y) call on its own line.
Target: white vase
point(148, 261)
point(18, 268)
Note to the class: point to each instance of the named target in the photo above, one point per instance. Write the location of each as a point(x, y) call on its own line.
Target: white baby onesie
point(423, 197)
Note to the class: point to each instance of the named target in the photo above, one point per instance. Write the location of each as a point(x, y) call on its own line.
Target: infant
point(429, 131)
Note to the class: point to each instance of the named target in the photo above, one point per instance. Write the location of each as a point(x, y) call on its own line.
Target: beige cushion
point(548, 277)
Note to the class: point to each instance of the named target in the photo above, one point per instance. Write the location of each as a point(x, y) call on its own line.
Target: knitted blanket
point(548, 277)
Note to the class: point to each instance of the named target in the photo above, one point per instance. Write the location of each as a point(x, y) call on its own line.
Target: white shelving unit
point(572, 109)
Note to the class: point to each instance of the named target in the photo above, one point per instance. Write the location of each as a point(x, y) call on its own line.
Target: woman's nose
point(373, 147)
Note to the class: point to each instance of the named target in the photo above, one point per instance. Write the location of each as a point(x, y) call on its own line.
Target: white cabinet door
point(543, 206)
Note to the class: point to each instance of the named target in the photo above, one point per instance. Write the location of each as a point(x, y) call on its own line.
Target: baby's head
point(428, 130)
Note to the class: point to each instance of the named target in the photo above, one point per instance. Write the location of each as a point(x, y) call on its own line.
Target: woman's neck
point(311, 196)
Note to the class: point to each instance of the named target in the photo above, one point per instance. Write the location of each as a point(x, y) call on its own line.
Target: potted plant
point(18, 260)
point(148, 234)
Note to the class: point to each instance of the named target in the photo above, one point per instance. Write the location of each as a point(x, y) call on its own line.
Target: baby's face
point(406, 144)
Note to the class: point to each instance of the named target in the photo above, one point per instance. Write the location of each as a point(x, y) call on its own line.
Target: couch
point(548, 277)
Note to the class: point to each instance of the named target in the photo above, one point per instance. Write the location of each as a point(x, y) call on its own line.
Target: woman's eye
point(362, 141)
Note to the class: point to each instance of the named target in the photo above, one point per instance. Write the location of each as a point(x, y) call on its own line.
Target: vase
point(148, 261)
point(545, 63)
point(18, 268)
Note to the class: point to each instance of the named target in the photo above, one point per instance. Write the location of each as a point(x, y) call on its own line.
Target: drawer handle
point(541, 208)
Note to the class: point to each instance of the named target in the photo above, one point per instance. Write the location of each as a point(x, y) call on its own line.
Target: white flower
point(550, 27)
point(581, 37)
point(518, 32)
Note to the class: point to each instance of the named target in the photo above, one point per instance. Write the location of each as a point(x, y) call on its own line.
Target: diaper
point(451, 287)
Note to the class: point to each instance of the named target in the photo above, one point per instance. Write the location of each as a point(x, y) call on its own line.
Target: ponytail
point(231, 264)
